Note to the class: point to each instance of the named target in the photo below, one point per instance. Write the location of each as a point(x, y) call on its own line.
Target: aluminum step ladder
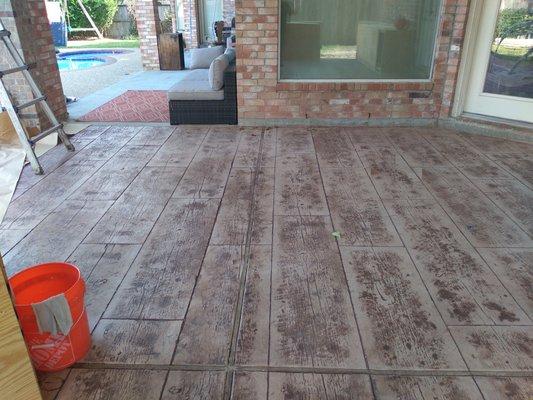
point(13, 110)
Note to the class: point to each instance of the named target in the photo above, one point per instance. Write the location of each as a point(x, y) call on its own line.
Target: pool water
point(70, 64)
point(78, 60)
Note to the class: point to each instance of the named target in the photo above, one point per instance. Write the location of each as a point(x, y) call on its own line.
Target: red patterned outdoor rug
point(132, 106)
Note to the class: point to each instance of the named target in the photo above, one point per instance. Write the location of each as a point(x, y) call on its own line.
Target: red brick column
point(228, 10)
point(454, 27)
point(149, 28)
point(190, 13)
point(31, 33)
point(257, 61)
point(20, 92)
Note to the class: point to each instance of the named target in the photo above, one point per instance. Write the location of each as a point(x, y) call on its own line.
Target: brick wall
point(28, 23)
point(190, 13)
point(453, 29)
point(149, 27)
point(228, 10)
point(261, 97)
point(15, 84)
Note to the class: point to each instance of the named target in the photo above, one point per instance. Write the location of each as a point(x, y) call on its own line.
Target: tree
point(512, 22)
point(101, 11)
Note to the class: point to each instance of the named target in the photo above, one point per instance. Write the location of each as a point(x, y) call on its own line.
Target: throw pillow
point(230, 52)
point(216, 72)
point(203, 57)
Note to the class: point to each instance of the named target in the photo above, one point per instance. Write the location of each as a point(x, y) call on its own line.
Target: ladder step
point(14, 111)
point(45, 133)
point(29, 103)
point(13, 70)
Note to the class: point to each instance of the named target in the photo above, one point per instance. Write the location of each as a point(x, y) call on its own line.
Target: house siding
point(262, 98)
point(30, 32)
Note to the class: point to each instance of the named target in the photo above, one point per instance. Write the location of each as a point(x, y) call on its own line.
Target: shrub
point(101, 11)
point(511, 22)
point(166, 23)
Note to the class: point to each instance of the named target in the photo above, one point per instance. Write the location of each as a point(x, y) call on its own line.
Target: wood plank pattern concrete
point(207, 330)
point(133, 342)
point(103, 271)
point(37, 202)
point(57, 236)
point(426, 388)
point(319, 386)
point(194, 385)
point(505, 388)
point(132, 216)
point(175, 248)
point(180, 148)
point(251, 263)
point(468, 159)
point(453, 191)
point(514, 269)
point(299, 189)
point(253, 340)
point(400, 327)
point(463, 287)
point(495, 347)
point(113, 384)
point(312, 323)
point(356, 210)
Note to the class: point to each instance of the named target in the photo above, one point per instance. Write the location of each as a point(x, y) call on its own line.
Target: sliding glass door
point(501, 81)
point(210, 12)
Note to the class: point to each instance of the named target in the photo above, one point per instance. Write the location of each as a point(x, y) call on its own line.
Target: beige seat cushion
point(194, 90)
point(197, 75)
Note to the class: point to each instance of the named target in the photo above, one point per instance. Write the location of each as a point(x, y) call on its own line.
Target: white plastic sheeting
point(11, 163)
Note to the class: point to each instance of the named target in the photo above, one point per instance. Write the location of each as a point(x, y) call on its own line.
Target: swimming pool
point(77, 60)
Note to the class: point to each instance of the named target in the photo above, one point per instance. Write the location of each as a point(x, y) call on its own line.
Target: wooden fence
point(123, 22)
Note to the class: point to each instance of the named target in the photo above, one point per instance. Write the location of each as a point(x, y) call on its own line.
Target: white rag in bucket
point(53, 315)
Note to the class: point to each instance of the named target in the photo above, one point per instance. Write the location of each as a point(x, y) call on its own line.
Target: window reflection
point(510, 70)
point(357, 39)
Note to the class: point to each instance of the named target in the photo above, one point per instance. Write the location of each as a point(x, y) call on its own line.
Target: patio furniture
point(295, 34)
point(171, 54)
point(383, 47)
point(193, 100)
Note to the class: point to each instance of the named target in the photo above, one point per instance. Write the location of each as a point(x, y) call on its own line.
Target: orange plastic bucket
point(35, 284)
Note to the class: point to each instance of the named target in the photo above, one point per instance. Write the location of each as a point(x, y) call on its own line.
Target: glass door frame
point(470, 51)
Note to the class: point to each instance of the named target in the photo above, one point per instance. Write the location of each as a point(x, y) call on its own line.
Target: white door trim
point(465, 65)
point(469, 94)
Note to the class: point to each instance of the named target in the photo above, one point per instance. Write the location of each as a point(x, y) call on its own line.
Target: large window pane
point(510, 70)
point(357, 39)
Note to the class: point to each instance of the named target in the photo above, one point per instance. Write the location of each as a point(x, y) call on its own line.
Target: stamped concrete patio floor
point(289, 263)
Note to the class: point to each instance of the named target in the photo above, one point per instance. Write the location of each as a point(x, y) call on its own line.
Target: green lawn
point(510, 53)
point(338, 51)
point(103, 44)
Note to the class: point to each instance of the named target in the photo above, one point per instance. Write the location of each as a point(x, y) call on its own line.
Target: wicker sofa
point(192, 101)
